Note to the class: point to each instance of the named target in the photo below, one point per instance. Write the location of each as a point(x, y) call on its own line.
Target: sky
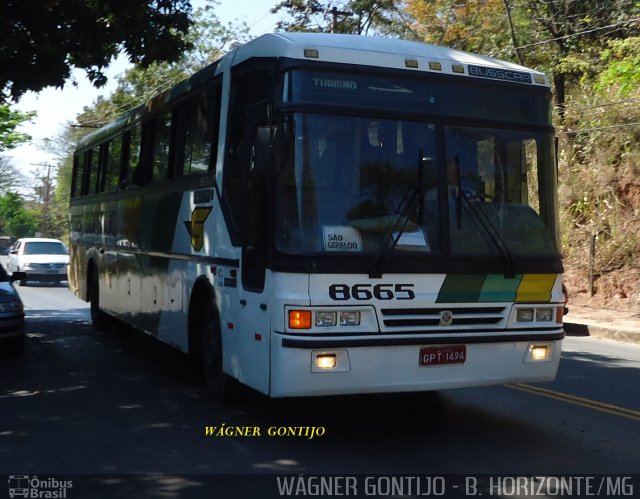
point(57, 108)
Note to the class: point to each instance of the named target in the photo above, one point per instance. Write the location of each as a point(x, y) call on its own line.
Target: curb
point(596, 331)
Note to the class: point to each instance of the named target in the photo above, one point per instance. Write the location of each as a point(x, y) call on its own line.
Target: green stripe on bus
point(461, 288)
point(497, 288)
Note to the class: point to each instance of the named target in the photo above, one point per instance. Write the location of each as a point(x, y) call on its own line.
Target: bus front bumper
point(313, 366)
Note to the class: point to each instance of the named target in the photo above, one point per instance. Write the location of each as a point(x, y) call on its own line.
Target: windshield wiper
point(490, 230)
point(398, 226)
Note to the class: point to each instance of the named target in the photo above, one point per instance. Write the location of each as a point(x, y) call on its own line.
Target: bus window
point(111, 166)
point(91, 170)
point(134, 156)
point(161, 148)
point(76, 180)
point(201, 135)
point(247, 111)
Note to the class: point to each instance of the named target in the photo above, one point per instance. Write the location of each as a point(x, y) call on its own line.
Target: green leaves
point(622, 70)
point(40, 42)
point(9, 122)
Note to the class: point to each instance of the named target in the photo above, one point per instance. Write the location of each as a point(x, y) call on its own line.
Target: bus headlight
point(524, 315)
point(326, 319)
point(349, 318)
point(538, 352)
point(326, 361)
point(330, 318)
point(544, 314)
point(330, 361)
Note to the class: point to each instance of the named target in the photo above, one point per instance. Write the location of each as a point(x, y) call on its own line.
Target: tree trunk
point(559, 94)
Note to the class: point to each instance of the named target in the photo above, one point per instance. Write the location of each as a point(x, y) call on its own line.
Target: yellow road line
point(572, 399)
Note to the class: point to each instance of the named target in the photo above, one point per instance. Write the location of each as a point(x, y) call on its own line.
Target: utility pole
point(335, 13)
point(45, 197)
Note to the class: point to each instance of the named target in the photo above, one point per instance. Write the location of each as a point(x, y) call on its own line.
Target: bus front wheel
point(98, 317)
point(218, 384)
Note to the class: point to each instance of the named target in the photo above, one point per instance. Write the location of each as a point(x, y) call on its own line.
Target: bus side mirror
point(262, 160)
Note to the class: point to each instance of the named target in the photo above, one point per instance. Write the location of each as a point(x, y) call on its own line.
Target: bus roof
point(347, 49)
point(381, 52)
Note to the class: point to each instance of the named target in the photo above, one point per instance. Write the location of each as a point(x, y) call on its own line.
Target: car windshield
point(349, 182)
point(44, 248)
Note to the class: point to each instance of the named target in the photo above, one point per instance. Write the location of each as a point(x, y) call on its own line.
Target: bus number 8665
point(342, 292)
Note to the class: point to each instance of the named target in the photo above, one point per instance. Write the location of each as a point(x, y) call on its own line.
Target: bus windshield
point(350, 183)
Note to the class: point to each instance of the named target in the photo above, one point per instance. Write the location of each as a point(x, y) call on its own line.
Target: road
point(83, 402)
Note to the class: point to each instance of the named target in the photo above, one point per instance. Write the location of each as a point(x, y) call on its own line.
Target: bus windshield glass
point(352, 183)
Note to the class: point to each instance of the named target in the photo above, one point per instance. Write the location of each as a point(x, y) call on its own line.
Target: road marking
point(572, 399)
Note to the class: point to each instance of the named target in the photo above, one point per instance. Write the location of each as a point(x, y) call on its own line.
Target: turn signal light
point(300, 319)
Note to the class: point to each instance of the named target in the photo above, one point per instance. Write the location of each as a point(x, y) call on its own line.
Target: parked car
point(5, 244)
point(11, 313)
point(41, 259)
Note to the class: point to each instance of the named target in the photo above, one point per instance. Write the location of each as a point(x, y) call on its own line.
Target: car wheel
point(23, 282)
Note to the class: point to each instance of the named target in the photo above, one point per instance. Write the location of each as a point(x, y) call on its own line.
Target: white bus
point(321, 214)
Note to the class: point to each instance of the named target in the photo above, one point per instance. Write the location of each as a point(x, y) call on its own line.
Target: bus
point(322, 214)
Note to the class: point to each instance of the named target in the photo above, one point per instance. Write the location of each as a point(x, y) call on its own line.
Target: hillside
point(600, 191)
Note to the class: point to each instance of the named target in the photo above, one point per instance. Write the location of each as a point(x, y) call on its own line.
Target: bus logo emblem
point(195, 226)
point(446, 318)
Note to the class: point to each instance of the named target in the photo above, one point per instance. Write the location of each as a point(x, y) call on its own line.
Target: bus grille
point(466, 318)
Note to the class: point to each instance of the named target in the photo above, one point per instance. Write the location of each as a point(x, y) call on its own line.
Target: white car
point(41, 259)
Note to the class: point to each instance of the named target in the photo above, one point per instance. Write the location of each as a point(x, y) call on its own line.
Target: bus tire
point(99, 319)
point(218, 384)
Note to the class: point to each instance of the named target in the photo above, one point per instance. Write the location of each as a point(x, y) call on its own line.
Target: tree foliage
point(471, 25)
point(207, 38)
point(15, 219)
point(10, 178)
point(9, 122)
point(359, 17)
point(570, 35)
point(622, 71)
point(41, 41)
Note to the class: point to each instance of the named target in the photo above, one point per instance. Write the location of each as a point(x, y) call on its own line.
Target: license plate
point(52, 271)
point(436, 356)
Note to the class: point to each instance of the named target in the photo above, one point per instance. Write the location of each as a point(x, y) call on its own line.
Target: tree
point(40, 42)
point(622, 71)
point(207, 39)
point(356, 16)
point(10, 178)
point(480, 26)
point(15, 219)
point(576, 31)
point(9, 122)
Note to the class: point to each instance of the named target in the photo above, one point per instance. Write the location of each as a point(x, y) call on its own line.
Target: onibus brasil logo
point(32, 486)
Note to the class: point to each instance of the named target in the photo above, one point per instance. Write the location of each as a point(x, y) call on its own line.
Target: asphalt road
point(83, 402)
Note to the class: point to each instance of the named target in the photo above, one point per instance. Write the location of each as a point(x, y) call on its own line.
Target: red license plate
point(450, 354)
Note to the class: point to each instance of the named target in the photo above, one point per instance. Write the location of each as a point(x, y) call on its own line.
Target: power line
point(580, 33)
point(597, 129)
point(605, 104)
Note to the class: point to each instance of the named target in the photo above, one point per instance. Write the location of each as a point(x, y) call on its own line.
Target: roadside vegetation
point(589, 48)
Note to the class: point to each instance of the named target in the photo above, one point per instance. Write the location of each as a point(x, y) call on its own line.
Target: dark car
point(11, 313)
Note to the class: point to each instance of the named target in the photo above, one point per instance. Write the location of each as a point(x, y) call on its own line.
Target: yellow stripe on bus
point(536, 288)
